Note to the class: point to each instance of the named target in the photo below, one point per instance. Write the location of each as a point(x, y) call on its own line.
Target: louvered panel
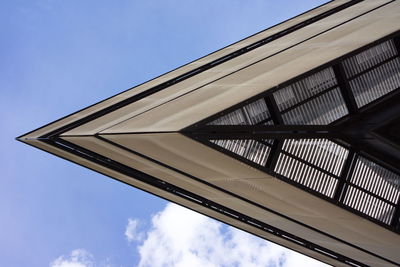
point(305, 88)
point(234, 118)
point(369, 58)
point(256, 111)
point(249, 114)
point(319, 152)
point(319, 111)
point(376, 82)
point(368, 205)
point(258, 153)
point(305, 175)
point(376, 179)
point(249, 149)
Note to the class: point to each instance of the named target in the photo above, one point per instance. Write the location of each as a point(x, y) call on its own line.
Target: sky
point(57, 57)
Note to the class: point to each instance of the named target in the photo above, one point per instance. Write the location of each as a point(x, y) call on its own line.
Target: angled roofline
point(52, 142)
point(195, 71)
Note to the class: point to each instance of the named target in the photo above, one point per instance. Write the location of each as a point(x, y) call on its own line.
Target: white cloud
point(295, 259)
point(78, 258)
point(132, 232)
point(181, 237)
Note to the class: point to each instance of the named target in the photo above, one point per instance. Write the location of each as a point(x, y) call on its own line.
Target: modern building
point(292, 134)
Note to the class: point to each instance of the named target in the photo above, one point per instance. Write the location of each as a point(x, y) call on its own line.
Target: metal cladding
point(290, 134)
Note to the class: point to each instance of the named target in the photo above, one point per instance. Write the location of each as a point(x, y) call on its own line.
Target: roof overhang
point(136, 136)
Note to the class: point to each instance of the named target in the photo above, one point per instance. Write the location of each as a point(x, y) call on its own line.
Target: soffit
point(270, 197)
point(190, 156)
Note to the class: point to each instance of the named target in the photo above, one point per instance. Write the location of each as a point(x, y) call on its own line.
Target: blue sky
point(60, 56)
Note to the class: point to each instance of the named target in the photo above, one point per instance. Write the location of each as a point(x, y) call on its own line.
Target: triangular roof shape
point(282, 106)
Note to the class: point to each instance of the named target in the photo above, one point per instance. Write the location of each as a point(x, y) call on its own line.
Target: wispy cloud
point(77, 258)
point(132, 232)
point(80, 258)
point(181, 237)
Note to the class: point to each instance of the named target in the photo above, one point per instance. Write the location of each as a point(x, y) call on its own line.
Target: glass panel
point(319, 152)
point(306, 175)
point(369, 205)
point(256, 111)
point(319, 111)
point(369, 58)
point(376, 179)
point(376, 83)
point(305, 88)
point(249, 149)
point(234, 118)
point(250, 114)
